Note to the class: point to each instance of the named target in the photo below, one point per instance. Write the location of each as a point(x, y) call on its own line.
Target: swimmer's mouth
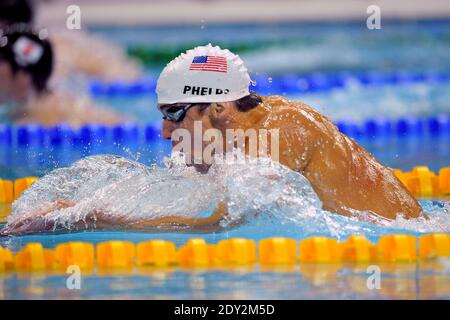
point(201, 168)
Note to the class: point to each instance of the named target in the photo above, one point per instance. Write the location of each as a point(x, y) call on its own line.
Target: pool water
point(397, 152)
point(297, 217)
point(357, 103)
point(303, 48)
point(407, 281)
point(307, 47)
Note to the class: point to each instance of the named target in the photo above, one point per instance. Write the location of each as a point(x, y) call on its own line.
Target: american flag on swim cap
point(209, 63)
point(27, 52)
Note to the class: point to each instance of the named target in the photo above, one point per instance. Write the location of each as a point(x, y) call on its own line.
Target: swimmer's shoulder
point(281, 105)
point(294, 114)
point(53, 101)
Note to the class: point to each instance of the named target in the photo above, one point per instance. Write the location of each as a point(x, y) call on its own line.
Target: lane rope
point(420, 181)
point(287, 83)
point(197, 253)
point(63, 134)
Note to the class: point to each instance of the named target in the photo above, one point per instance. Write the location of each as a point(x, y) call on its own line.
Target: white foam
point(260, 192)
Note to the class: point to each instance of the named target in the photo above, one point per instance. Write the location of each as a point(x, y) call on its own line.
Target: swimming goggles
point(175, 113)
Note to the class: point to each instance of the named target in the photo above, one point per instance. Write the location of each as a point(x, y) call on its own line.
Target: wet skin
point(48, 108)
point(35, 222)
point(346, 177)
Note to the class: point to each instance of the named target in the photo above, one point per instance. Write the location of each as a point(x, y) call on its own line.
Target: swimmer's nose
point(167, 129)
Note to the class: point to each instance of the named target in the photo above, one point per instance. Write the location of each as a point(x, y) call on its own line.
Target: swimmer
point(347, 179)
point(15, 12)
point(26, 64)
point(108, 174)
point(76, 52)
point(344, 175)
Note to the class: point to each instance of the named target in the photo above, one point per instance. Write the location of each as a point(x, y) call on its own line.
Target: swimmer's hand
point(35, 221)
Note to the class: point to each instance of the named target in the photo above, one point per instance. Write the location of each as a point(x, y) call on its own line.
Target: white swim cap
point(203, 74)
point(26, 51)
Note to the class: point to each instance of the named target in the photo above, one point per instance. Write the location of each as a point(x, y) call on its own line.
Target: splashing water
point(266, 197)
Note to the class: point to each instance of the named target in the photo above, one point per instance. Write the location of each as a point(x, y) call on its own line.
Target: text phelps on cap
point(203, 91)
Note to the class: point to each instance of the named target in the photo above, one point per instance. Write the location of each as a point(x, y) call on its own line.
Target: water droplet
point(43, 34)
point(3, 41)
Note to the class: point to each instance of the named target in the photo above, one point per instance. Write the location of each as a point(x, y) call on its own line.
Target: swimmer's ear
point(216, 108)
point(219, 110)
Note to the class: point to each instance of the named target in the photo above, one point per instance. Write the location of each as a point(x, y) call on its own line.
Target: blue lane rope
point(287, 83)
point(403, 127)
point(38, 135)
point(63, 134)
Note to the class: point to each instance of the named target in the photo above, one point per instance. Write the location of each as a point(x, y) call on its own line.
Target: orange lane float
point(197, 253)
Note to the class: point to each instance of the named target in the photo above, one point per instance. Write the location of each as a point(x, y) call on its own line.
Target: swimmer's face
point(170, 129)
point(212, 116)
point(6, 82)
point(13, 87)
point(192, 113)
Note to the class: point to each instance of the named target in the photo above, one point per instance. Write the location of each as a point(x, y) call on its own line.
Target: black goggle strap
point(176, 115)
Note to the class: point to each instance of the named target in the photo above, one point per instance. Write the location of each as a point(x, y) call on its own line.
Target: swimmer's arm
point(335, 160)
point(192, 223)
point(106, 61)
point(36, 222)
point(59, 107)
